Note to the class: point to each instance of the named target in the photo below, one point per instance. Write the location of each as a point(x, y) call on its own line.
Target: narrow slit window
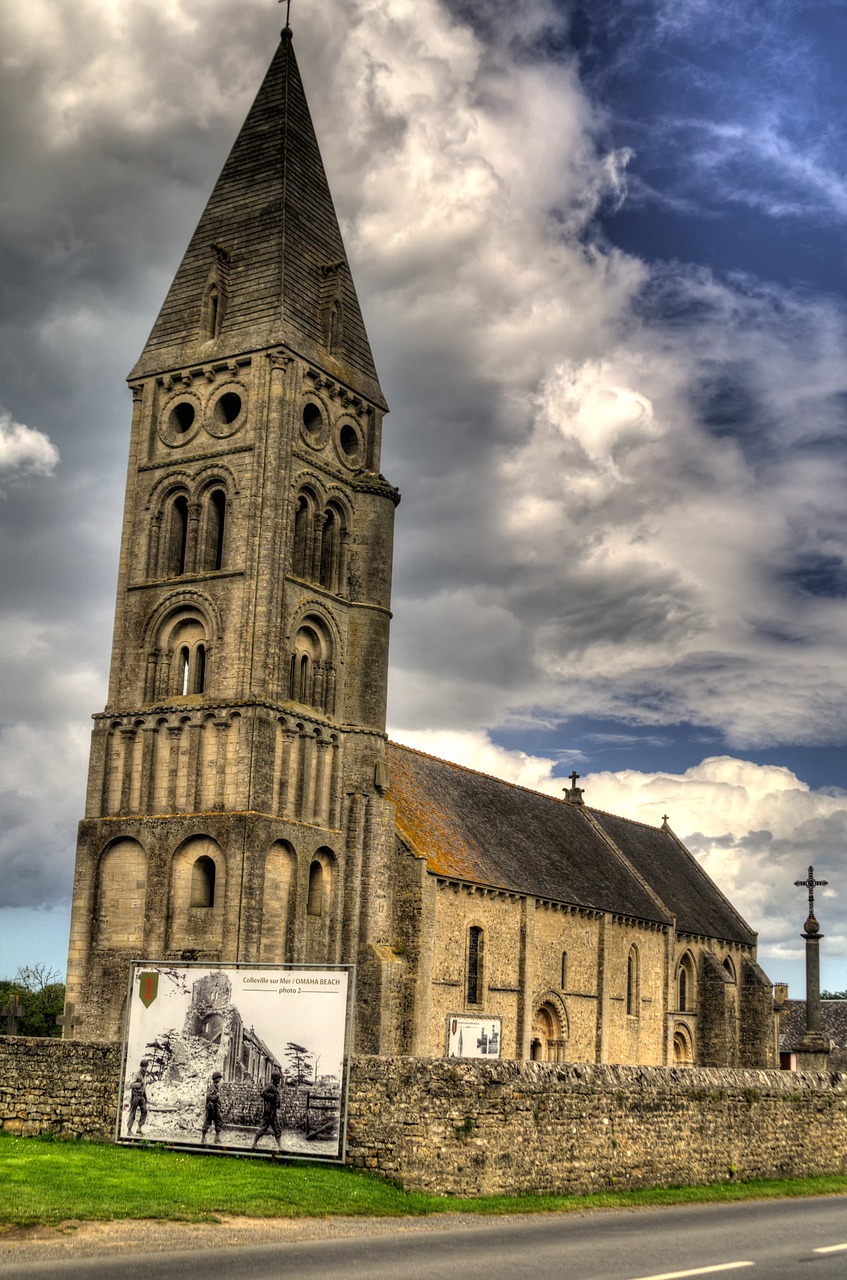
point(564, 974)
point(475, 949)
point(301, 527)
point(632, 996)
point(212, 312)
point(199, 682)
point(216, 520)
point(184, 670)
point(177, 537)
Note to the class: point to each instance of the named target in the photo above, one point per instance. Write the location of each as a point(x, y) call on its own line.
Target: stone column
point(813, 1051)
point(192, 556)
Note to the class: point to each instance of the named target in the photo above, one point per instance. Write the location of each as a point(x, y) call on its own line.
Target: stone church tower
point(235, 806)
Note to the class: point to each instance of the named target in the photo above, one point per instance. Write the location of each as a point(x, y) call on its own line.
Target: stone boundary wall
point(66, 1087)
point(486, 1128)
point(483, 1128)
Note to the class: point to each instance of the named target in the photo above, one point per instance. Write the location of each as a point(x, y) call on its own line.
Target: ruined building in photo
point(243, 802)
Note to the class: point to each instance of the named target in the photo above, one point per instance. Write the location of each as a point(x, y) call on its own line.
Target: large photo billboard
point(247, 1059)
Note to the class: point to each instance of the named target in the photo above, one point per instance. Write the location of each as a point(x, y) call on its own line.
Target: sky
point(599, 251)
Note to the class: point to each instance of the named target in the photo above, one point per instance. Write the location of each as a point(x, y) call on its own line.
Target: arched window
point(685, 983)
point(192, 669)
point(332, 535)
point(211, 311)
point(199, 669)
point(632, 983)
point(314, 900)
point(186, 644)
point(213, 557)
point(202, 883)
point(475, 961)
point(312, 678)
point(184, 669)
point(564, 974)
point(176, 538)
point(303, 533)
point(730, 968)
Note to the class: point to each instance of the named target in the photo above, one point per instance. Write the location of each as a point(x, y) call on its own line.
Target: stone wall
point(66, 1087)
point(474, 1128)
point(482, 1128)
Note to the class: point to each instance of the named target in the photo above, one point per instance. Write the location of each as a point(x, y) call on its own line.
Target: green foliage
point(834, 995)
point(44, 1181)
point(42, 998)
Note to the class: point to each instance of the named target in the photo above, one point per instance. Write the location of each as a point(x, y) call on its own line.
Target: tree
point(834, 995)
point(42, 997)
point(299, 1057)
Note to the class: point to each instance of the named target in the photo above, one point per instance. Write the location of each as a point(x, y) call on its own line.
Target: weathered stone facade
point(485, 1128)
point(243, 803)
point(235, 805)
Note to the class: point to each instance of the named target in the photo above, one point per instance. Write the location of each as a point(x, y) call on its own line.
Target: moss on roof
point(470, 826)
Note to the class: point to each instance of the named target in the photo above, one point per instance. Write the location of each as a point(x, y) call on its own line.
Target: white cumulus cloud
point(25, 450)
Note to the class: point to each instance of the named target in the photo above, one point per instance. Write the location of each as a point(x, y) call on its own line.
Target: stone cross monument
point(814, 1046)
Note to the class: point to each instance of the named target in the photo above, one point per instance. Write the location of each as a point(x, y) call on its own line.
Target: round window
point(313, 430)
point(180, 419)
point(226, 413)
point(350, 445)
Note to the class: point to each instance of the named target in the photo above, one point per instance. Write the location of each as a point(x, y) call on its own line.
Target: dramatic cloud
point(754, 828)
point(24, 450)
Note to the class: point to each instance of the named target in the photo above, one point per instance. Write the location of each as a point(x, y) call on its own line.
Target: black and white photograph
point(237, 1058)
point(473, 1037)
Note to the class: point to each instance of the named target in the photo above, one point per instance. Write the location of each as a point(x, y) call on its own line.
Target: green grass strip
point(45, 1182)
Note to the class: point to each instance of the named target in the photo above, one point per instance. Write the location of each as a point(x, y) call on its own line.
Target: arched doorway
point(549, 1034)
point(683, 1050)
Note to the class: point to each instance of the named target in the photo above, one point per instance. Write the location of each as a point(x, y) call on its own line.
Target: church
point(243, 803)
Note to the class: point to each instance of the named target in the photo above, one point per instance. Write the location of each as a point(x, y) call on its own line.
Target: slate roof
point(476, 828)
point(678, 878)
point(272, 212)
point(792, 1023)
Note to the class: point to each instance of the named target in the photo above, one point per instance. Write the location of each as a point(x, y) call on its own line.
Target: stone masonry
point(473, 1128)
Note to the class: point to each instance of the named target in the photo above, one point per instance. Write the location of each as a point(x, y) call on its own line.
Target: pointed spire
point(266, 264)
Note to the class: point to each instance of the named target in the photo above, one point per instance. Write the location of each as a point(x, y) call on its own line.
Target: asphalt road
point(773, 1240)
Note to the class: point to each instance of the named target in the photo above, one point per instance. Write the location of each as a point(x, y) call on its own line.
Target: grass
point(46, 1182)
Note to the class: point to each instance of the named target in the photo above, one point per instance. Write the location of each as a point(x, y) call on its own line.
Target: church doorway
point(683, 1051)
point(549, 1035)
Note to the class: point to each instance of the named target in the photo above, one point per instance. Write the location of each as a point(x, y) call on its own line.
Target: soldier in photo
point(138, 1098)
point(270, 1112)
point(213, 1114)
